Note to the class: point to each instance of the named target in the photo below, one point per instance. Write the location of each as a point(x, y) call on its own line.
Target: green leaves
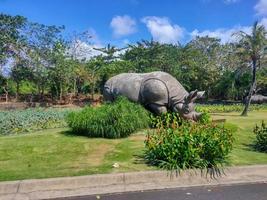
point(261, 137)
point(189, 146)
point(220, 108)
point(115, 120)
point(11, 38)
point(16, 122)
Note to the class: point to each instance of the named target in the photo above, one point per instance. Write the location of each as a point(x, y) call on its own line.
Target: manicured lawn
point(243, 153)
point(55, 152)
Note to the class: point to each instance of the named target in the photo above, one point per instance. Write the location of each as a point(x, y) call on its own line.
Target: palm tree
point(252, 48)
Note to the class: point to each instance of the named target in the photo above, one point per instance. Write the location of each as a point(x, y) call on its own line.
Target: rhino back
point(126, 84)
point(176, 91)
point(154, 91)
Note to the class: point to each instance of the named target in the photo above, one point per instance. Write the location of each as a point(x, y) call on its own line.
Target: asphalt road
point(234, 192)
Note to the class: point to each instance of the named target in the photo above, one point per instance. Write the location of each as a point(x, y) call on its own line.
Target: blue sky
point(125, 21)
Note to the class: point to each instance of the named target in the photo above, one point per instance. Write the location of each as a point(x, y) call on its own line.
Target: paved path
point(231, 192)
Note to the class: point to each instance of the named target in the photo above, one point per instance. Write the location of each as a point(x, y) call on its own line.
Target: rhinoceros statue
point(157, 91)
point(257, 99)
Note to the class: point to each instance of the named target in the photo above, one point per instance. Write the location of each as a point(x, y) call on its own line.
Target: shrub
point(261, 137)
point(173, 120)
point(189, 146)
point(219, 108)
point(205, 118)
point(21, 121)
point(165, 120)
point(113, 120)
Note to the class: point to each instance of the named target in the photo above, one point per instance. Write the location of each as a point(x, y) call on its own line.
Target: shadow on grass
point(212, 172)
point(249, 147)
point(70, 133)
point(139, 159)
point(253, 147)
point(226, 114)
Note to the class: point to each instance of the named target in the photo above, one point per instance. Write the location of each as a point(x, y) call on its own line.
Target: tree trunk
point(42, 93)
point(74, 86)
point(39, 91)
point(6, 92)
point(251, 90)
point(60, 93)
point(17, 91)
point(93, 90)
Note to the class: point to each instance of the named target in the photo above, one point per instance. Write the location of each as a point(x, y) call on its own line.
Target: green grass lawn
point(55, 153)
point(243, 153)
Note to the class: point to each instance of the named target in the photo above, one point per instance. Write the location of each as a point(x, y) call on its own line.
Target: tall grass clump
point(261, 137)
point(202, 145)
point(111, 120)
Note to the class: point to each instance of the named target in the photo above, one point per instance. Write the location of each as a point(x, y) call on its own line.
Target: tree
point(203, 60)
point(91, 73)
point(20, 72)
point(149, 56)
point(4, 86)
point(109, 52)
point(78, 51)
point(61, 70)
point(10, 37)
point(252, 49)
point(41, 40)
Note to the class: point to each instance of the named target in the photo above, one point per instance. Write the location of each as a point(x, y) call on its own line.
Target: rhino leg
point(108, 96)
point(157, 109)
point(154, 91)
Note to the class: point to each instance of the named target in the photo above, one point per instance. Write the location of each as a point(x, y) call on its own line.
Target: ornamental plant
point(111, 120)
point(261, 137)
point(189, 146)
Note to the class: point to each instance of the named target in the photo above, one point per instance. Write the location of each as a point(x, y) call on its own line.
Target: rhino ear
point(191, 96)
point(200, 94)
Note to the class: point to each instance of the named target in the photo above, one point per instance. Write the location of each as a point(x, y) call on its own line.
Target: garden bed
point(56, 152)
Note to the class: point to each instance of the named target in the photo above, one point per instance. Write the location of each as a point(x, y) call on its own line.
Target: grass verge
point(56, 152)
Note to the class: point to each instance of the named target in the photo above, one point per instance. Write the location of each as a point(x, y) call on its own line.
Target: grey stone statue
point(157, 91)
point(258, 98)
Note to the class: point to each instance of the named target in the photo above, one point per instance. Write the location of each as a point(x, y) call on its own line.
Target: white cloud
point(264, 22)
point(123, 25)
point(84, 50)
point(261, 7)
point(162, 30)
point(226, 35)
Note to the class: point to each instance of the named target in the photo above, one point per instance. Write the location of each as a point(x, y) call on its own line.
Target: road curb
point(124, 182)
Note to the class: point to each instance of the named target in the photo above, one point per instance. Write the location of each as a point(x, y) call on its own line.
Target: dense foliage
point(261, 137)
point(189, 146)
point(44, 63)
point(22, 121)
point(165, 120)
point(220, 108)
point(111, 120)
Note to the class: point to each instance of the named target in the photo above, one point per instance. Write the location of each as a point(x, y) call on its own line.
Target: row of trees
point(41, 61)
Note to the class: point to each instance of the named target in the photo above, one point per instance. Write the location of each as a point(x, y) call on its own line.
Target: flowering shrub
point(261, 137)
point(189, 145)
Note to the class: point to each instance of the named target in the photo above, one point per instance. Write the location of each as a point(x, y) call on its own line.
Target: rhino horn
point(193, 95)
point(200, 94)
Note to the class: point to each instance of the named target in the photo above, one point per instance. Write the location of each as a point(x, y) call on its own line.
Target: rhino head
point(186, 108)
